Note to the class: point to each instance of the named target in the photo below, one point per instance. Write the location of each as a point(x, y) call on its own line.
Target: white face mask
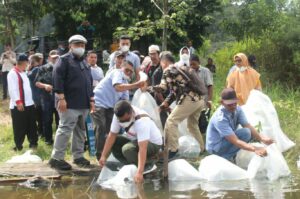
point(126, 124)
point(242, 68)
point(185, 57)
point(125, 48)
point(78, 51)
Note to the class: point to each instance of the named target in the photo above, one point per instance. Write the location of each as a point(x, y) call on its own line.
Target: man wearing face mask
point(108, 92)
point(125, 43)
point(138, 145)
point(243, 79)
point(44, 83)
point(22, 105)
point(72, 84)
point(184, 55)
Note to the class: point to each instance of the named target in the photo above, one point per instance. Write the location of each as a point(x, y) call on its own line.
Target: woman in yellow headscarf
point(243, 79)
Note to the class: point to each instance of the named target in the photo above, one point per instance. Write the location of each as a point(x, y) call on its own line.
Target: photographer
point(8, 60)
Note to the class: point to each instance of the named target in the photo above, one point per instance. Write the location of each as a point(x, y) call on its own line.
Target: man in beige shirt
point(8, 60)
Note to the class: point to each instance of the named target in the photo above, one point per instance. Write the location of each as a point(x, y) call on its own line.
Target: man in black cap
point(223, 138)
point(72, 85)
point(43, 81)
point(22, 105)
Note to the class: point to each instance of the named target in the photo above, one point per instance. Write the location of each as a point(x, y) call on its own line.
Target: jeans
point(47, 104)
point(229, 150)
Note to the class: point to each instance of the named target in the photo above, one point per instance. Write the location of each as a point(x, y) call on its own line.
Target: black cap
point(22, 57)
point(228, 96)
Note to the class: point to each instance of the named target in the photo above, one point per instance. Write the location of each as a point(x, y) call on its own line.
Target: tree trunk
point(10, 30)
point(165, 29)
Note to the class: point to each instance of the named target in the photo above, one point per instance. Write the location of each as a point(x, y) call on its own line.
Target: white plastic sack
point(216, 168)
point(272, 166)
point(25, 158)
point(259, 109)
point(244, 157)
point(188, 147)
point(122, 182)
point(146, 102)
point(181, 170)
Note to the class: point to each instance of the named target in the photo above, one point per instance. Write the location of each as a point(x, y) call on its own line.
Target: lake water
point(86, 187)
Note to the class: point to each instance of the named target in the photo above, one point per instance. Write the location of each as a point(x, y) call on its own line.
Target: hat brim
point(54, 56)
point(230, 101)
point(77, 41)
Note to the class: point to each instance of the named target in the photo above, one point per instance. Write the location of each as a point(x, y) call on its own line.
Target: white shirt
point(13, 88)
point(8, 62)
point(141, 130)
point(97, 74)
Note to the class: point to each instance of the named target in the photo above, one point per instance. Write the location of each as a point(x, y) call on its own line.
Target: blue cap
point(22, 57)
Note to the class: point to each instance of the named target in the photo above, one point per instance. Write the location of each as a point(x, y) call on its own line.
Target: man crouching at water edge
point(223, 138)
point(138, 145)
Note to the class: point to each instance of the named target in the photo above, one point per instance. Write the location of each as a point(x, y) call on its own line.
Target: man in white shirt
point(8, 60)
point(96, 71)
point(141, 141)
point(22, 105)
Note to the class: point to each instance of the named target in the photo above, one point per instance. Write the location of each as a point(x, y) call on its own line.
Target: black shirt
point(72, 76)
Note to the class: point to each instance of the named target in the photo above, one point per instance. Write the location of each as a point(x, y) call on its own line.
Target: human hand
point(102, 161)
point(266, 140)
point(20, 107)
point(92, 107)
point(48, 88)
point(138, 178)
point(62, 105)
point(164, 106)
point(260, 151)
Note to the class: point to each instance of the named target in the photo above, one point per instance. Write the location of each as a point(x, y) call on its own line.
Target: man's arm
point(142, 157)
point(125, 87)
point(243, 145)
point(110, 140)
point(257, 136)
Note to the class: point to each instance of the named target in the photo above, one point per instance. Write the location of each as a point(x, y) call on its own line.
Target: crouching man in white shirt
point(141, 141)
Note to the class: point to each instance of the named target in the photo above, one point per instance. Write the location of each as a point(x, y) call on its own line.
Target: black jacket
point(72, 76)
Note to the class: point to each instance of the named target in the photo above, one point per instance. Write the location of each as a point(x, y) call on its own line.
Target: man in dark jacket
point(72, 84)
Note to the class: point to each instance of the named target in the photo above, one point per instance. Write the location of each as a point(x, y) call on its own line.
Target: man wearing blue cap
point(22, 105)
point(72, 85)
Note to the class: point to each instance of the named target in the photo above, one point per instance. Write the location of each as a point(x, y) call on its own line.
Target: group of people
point(73, 86)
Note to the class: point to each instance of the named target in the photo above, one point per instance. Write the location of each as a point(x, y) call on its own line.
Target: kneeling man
point(139, 144)
point(223, 138)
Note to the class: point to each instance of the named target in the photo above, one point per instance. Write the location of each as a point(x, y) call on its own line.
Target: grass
point(7, 142)
point(285, 99)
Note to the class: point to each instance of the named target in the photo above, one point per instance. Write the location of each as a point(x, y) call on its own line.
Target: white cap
point(153, 49)
point(77, 39)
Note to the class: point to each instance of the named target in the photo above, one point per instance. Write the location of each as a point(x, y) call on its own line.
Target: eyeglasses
point(237, 60)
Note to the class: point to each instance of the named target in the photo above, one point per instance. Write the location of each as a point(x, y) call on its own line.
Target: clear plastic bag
point(216, 168)
point(261, 112)
point(188, 147)
point(25, 158)
point(146, 102)
point(181, 170)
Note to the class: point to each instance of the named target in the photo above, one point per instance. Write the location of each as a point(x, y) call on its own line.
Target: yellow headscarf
point(244, 59)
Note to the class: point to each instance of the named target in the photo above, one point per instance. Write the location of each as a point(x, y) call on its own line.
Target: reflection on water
point(84, 187)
